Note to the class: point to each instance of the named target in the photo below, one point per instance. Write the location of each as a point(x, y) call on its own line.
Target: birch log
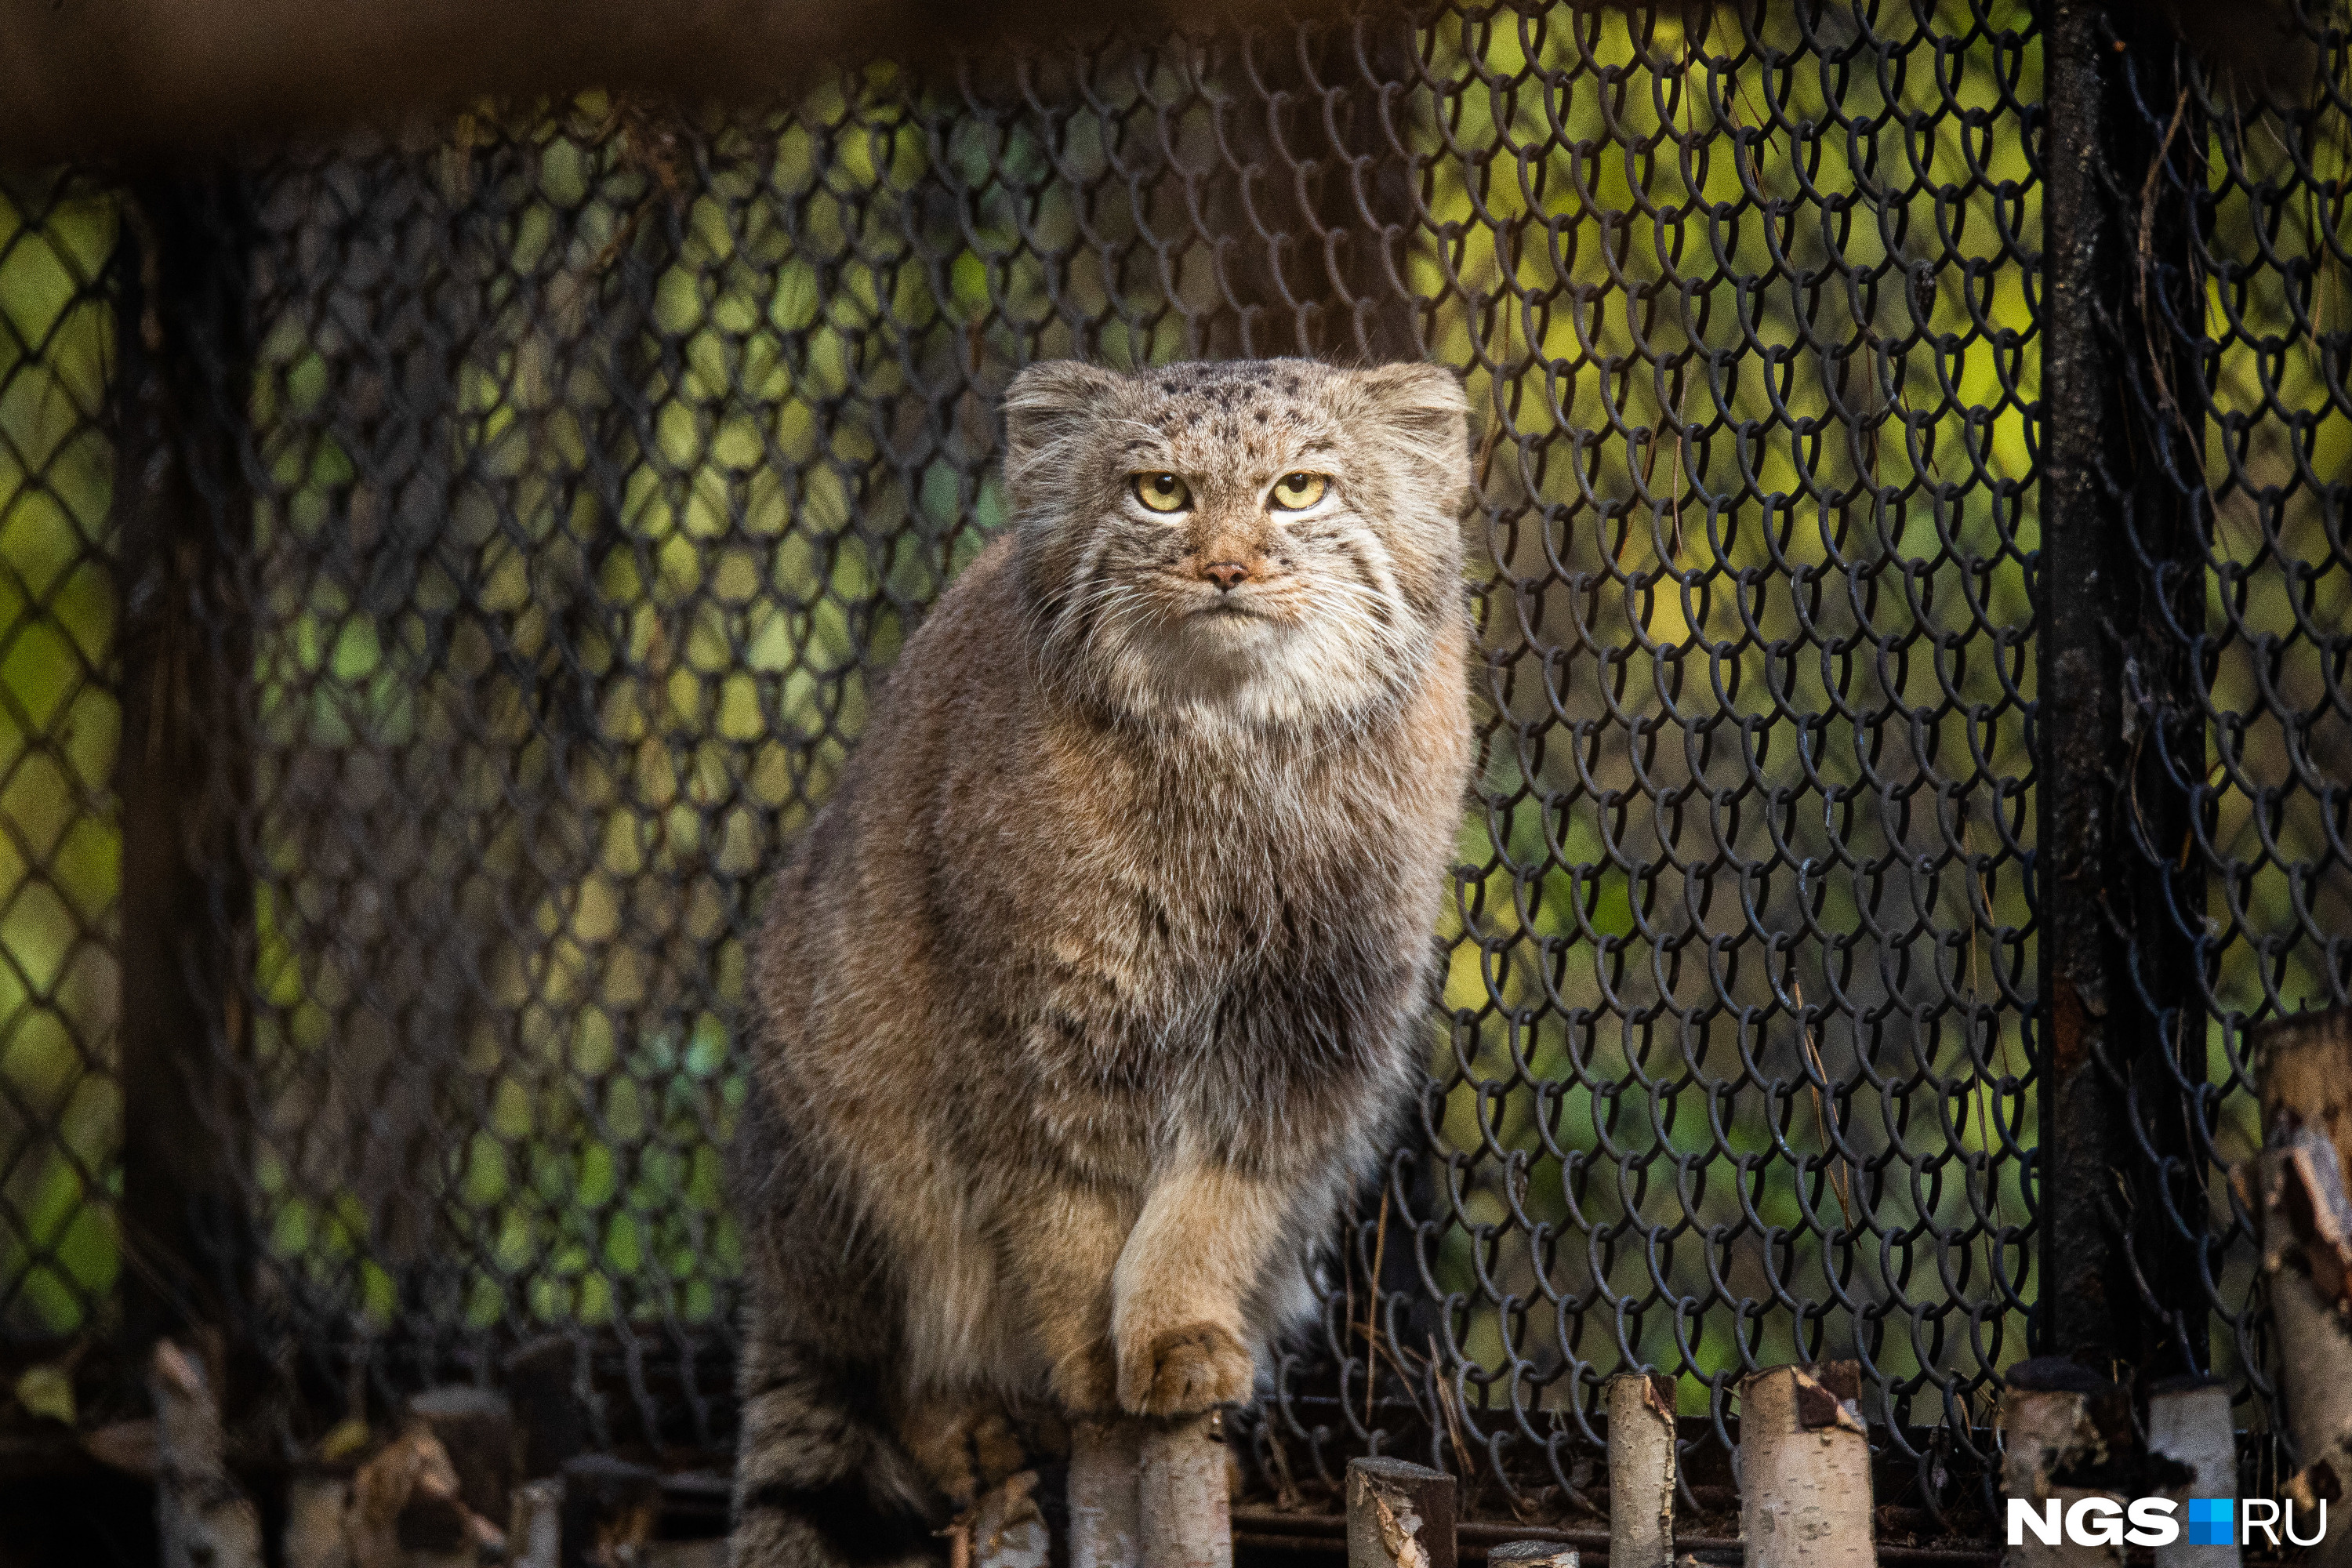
point(204, 1517)
point(314, 1521)
point(2193, 1452)
point(2066, 1438)
point(1184, 1504)
point(1804, 1470)
point(2300, 1063)
point(1640, 1470)
point(1106, 1457)
point(535, 1533)
point(2304, 1065)
point(1400, 1515)
point(2306, 1223)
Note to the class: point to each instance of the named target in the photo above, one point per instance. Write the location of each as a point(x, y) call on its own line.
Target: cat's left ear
point(1424, 412)
point(1047, 404)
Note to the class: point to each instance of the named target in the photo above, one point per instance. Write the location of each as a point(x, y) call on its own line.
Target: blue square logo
point(2210, 1519)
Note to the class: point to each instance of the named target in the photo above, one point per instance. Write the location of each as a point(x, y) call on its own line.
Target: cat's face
point(1272, 540)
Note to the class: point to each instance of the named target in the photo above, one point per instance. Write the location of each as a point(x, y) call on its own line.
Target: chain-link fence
point(60, 719)
point(2224, 468)
point(508, 521)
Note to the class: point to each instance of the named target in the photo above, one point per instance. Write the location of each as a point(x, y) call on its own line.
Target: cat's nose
point(1226, 575)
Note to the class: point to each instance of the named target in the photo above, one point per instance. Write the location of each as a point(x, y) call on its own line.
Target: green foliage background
point(60, 717)
point(569, 606)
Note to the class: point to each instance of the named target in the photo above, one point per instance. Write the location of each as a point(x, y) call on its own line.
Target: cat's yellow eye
point(1297, 492)
point(1162, 492)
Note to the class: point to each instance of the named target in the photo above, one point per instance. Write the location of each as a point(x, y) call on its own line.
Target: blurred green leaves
point(599, 480)
point(60, 847)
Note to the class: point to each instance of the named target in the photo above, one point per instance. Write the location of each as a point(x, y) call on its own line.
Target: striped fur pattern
point(1098, 985)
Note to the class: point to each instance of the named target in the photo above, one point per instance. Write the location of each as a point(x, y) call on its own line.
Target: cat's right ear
point(1046, 404)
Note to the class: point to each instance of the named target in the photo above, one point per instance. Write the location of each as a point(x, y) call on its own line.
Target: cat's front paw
point(1183, 1370)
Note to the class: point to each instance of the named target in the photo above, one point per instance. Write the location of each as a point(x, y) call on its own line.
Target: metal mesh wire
point(604, 456)
point(598, 458)
point(1742, 962)
point(60, 719)
point(2241, 392)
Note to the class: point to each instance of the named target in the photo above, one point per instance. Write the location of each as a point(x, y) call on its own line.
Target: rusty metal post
point(2120, 579)
point(183, 513)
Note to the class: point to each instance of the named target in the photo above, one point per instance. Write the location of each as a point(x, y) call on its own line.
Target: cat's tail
point(820, 1482)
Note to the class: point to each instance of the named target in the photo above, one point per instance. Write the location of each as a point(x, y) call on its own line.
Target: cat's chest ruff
point(1223, 886)
point(1180, 874)
point(1195, 911)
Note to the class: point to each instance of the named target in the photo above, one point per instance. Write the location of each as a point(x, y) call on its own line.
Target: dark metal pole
point(2119, 576)
point(184, 520)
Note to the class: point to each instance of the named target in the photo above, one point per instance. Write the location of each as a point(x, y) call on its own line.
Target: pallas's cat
point(1099, 985)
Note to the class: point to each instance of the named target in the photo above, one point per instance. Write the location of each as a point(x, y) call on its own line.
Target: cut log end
point(1184, 1503)
point(2297, 1189)
point(204, 1518)
point(1103, 1499)
point(1804, 1471)
point(1640, 1470)
point(1400, 1515)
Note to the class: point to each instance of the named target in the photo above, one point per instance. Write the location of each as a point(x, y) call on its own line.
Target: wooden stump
point(476, 1427)
point(405, 1510)
point(608, 1513)
point(1106, 1462)
point(1185, 1505)
point(1641, 1471)
point(2189, 1430)
point(1005, 1529)
point(203, 1516)
point(1536, 1554)
point(2296, 1190)
point(314, 1521)
point(1398, 1515)
point(1804, 1470)
point(2067, 1442)
point(548, 1382)
point(535, 1533)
